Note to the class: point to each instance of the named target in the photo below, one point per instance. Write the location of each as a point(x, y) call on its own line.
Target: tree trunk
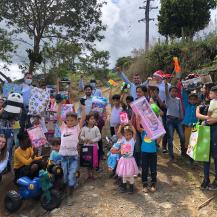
point(35, 51)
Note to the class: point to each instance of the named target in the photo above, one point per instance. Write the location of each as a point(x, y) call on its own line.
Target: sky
point(124, 33)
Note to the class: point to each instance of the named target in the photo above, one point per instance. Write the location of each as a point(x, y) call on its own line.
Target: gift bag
point(37, 137)
point(89, 156)
point(199, 144)
point(38, 101)
point(66, 109)
point(124, 118)
point(11, 88)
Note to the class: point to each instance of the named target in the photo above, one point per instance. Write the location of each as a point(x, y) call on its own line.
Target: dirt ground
point(178, 195)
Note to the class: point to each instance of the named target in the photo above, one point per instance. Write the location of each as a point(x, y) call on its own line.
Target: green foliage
point(124, 62)
point(77, 20)
point(192, 55)
point(6, 46)
point(184, 17)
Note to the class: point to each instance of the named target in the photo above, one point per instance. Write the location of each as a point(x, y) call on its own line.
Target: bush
point(192, 55)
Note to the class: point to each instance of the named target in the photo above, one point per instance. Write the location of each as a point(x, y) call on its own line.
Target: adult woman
point(201, 114)
point(4, 155)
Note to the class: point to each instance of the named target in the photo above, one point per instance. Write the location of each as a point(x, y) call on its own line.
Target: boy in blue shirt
point(149, 159)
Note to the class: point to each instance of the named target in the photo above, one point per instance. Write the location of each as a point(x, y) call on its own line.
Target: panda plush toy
point(13, 106)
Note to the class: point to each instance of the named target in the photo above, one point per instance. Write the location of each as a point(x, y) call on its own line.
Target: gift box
point(89, 156)
point(37, 137)
point(149, 121)
point(66, 109)
point(11, 88)
point(124, 118)
point(38, 101)
point(99, 104)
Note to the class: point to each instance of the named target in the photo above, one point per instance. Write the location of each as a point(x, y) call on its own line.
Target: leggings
point(128, 179)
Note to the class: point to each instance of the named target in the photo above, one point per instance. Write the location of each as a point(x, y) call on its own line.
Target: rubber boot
point(70, 191)
point(131, 190)
point(123, 188)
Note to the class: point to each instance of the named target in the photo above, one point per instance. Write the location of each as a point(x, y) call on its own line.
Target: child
point(26, 163)
point(90, 135)
point(190, 105)
point(113, 154)
point(174, 119)
point(116, 110)
point(149, 159)
point(127, 108)
point(127, 167)
point(70, 130)
point(55, 157)
point(212, 112)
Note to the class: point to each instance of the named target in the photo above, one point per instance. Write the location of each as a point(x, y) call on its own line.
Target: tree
point(100, 59)
point(124, 62)
point(6, 46)
point(77, 20)
point(183, 18)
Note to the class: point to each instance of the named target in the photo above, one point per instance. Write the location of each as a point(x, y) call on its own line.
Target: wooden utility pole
point(147, 19)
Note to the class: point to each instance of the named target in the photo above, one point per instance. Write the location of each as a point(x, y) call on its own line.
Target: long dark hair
point(3, 152)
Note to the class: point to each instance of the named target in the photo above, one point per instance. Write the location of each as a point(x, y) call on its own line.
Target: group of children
point(132, 153)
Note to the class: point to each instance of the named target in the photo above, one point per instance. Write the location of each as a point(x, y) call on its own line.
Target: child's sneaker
point(205, 184)
point(213, 186)
point(164, 151)
point(153, 187)
point(145, 187)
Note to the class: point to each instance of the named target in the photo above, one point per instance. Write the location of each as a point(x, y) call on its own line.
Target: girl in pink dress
point(127, 167)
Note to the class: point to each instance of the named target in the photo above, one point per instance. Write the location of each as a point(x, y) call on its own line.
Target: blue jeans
point(70, 166)
point(173, 124)
point(213, 153)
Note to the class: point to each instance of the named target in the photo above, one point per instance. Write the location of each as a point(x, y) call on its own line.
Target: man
point(95, 91)
point(26, 92)
point(86, 100)
point(136, 82)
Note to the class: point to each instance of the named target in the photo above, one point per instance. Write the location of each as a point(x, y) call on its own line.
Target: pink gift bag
point(124, 118)
point(37, 137)
point(149, 121)
point(66, 109)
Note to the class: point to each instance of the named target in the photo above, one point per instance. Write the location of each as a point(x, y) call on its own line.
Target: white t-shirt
point(115, 116)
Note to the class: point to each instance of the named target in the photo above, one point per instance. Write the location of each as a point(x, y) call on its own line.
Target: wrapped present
point(38, 101)
point(112, 83)
point(11, 88)
point(124, 118)
point(99, 104)
point(149, 121)
point(89, 156)
point(37, 137)
point(199, 144)
point(57, 131)
point(66, 108)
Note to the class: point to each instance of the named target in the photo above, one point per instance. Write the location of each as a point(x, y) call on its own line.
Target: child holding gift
point(127, 167)
point(90, 135)
point(26, 163)
point(174, 119)
point(212, 112)
point(70, 130)
point(115, 102)
point(149, 159)
point(190, 104)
